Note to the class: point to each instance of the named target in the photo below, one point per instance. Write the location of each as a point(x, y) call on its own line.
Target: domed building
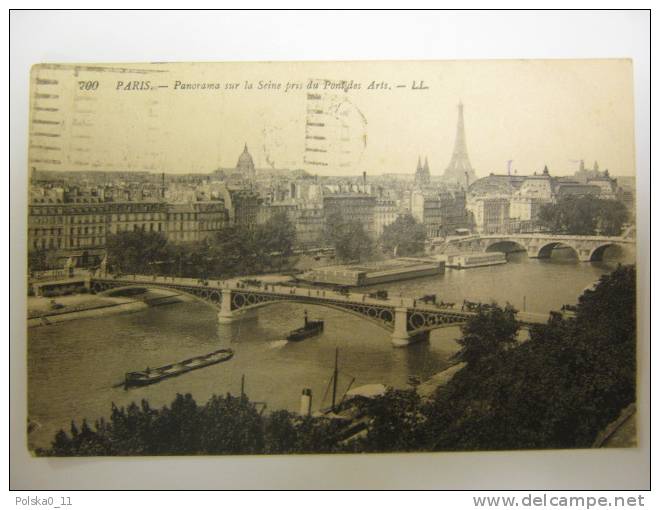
point(245, 165)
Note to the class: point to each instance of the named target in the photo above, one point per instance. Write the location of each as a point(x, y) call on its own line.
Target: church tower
point(422, 174)
point(460, 170)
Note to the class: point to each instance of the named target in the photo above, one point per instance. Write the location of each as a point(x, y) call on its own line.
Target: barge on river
point(154, 375)
point(359, 275)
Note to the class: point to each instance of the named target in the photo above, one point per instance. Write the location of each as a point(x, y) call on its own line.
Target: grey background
point(221, 36)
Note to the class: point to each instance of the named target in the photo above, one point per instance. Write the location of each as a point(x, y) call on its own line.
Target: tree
point(278, 235)
point(405, 236)
point(397, 423)
point(613, 216)
point(281, 434)
point(230, 425)
point(233, 251)
point(136, 251)
point(491, 331)
point(286, 432)
point(584, 215)
point(559, 389)
point(37, 259)
point(349, 238)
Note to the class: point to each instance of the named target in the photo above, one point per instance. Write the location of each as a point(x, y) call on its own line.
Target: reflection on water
point(72, 366)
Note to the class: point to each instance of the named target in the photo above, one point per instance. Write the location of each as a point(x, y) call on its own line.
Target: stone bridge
point(402, 317)
point(539, 245)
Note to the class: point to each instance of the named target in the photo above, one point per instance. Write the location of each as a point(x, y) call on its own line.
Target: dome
point(245, 160)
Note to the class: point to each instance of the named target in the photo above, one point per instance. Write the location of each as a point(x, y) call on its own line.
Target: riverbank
point(428, 387)
point(84, 306)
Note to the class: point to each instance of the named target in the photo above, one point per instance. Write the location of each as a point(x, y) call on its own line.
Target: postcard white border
point(221, 36)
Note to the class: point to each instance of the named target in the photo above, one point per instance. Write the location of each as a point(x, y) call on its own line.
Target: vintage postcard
point(336, 257)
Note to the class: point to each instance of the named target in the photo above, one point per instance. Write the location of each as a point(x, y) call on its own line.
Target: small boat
point(310, 328)
point(154, 375)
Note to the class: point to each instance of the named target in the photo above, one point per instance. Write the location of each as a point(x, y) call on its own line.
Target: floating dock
point(359, 275)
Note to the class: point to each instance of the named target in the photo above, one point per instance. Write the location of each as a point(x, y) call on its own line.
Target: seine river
point(73, 366)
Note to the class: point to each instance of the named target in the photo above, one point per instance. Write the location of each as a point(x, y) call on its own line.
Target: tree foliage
point(556, 390)
point(37, 259)
point(277, 235)
point(134, 251)
point(349, 238)
point(405, 236)
point(585, 215)
point(231, 251)
point(224, 425)
point(398, 423)
point(491, 331)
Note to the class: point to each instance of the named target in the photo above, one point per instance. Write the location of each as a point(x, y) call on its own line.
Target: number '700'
point(88, 85)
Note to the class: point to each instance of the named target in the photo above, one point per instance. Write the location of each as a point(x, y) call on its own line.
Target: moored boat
point(469, 260)
point(154, 375)
point(310, 328)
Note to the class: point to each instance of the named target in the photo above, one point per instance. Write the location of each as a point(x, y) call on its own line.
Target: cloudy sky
point(532, 112)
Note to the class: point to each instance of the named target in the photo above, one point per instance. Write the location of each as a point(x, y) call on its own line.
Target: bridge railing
point(56, 274)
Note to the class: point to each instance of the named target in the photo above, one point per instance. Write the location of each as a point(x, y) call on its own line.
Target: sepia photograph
point(331, 257)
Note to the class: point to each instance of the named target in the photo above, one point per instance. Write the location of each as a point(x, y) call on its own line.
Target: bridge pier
point(400, 336)
point(226, 315)
point(584, 255)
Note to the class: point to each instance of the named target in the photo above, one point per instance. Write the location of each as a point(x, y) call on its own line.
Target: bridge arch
point(545, 250)
point(505, 246)
point(425, 323)
point(597, 253)
point(209, 297)
point(381, 317)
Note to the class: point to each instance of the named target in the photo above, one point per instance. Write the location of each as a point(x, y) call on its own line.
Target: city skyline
point(586, 107)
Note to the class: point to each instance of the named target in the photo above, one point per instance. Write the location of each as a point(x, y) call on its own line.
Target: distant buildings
point(74, 224)
point(511, 203)
point(310, 227)
point(71, 214)
point(441, 212)
point(352, 206)
point(243, 207)
point(194, 221)
point(76, 228)
point(491, 214)
point(534, 192)
point(386, 212)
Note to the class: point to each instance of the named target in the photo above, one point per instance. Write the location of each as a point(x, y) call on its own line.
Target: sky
point(157, 117)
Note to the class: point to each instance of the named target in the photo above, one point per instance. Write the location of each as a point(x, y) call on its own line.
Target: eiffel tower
point(460, 170)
